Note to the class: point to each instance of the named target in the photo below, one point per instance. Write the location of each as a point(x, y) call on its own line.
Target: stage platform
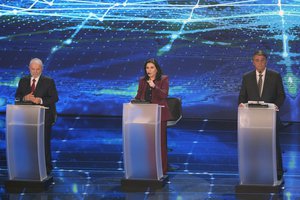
point(88, 162)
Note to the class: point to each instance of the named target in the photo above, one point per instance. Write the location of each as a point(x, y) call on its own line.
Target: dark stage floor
point(87, 155)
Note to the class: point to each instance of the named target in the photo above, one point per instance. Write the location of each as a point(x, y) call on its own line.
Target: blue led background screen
point(95, 50)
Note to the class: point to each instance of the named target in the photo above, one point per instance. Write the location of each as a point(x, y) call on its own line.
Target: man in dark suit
point(266, 85)
point(40, 90)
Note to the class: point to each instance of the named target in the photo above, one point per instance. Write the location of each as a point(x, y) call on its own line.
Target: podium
point(257, 150)
point(142, 147)
point(25, 149)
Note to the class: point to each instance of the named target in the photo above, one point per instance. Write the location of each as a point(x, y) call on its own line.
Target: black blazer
point(273, 91)
point(45, 89)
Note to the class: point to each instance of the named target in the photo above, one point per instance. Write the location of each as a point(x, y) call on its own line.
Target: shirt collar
point(263, 73)
point(36, 79)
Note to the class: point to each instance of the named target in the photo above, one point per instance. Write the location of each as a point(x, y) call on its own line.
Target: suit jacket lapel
point(254, 82)
point(27, 85)
point(144, 85)
point(266, 83)
point(38, 85)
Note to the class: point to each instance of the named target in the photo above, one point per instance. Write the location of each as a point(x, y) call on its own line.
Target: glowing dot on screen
point(174, 36)
point(285, 54)
point(68, 41)
point(179, 197)
point(54, 49)
point(74, 188)
point(281, 13)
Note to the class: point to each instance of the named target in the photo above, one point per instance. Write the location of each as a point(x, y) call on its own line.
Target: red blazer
point(159, 94)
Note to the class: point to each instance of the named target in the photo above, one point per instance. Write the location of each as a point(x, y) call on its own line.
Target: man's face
point(35, 69)
point(259, 62)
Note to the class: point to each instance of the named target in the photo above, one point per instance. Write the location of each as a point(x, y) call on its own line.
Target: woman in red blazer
point(154, 87)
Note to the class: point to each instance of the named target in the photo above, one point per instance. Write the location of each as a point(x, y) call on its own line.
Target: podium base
point(259, 188)
point(136, 185)
point(17, 186)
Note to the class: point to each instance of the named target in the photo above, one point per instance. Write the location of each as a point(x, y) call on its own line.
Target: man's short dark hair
point(260, 53)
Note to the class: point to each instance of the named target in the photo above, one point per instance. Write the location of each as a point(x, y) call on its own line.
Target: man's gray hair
point(36, 60)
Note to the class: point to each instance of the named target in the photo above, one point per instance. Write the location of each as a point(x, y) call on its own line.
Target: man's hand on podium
point(33, 99)
point(37, 100)
point(242, 105)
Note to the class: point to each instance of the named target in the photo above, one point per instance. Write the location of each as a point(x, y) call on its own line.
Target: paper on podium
point(257, 104)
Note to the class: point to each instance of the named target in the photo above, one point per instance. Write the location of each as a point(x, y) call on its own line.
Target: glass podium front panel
point(257, 145)
point(25, 142)
point(141, 141)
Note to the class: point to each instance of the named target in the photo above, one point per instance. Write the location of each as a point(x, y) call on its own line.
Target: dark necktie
point(33, 85)
point(259, 84)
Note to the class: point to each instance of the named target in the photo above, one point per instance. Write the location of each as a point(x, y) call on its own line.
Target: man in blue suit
point(266, 85)
point(40, 90)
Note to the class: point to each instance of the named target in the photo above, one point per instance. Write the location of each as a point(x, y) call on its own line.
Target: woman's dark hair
point(159, 71)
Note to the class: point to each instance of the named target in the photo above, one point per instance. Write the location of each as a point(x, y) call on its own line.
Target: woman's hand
point(151, 83)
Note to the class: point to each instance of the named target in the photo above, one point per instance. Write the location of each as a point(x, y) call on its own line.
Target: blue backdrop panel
point(95, 50)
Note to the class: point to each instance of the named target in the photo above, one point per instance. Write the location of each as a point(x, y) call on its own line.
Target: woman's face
point(151, 70)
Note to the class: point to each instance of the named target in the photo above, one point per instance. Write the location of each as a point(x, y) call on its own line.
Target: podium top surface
point(255, 105)
point(142, 104)
point(25, 106)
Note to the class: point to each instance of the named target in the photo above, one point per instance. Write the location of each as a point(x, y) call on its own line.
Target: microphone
point(148, 82)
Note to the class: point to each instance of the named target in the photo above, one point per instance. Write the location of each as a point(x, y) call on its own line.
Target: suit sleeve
point(20, 93)
point(163, 91)
point(139, 92)
point(243, 96)
point(280, 92)
point(52, 96)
